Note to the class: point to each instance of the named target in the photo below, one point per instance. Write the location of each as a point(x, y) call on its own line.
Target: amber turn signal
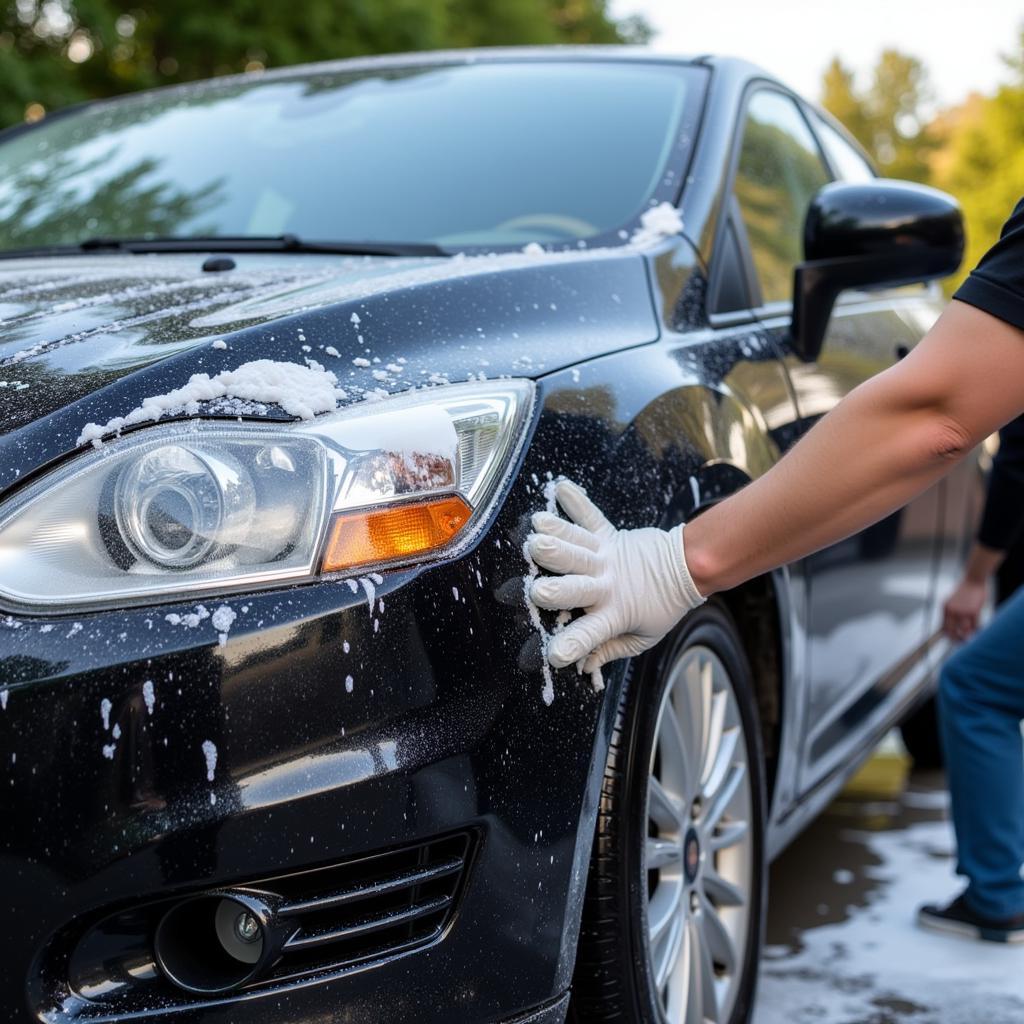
point(392, 534)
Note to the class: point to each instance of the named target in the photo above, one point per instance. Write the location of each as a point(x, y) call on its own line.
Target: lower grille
point(323, 919)
point(368, 908)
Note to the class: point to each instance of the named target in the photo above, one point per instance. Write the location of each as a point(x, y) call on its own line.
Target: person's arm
point(962, 611)
point(1000, 526)
point(881, 446)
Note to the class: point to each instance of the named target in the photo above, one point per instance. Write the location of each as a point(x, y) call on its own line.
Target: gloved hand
point(633, 584)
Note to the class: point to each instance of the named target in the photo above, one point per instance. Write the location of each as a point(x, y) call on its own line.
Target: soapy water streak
point(564, 617)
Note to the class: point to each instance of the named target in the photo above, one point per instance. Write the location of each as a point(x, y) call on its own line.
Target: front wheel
point(673, 917)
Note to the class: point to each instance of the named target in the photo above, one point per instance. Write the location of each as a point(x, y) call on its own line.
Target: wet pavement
point(842, 947)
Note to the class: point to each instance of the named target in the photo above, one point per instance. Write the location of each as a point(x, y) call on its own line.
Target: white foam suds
point(190, 620)
point(219, 344)
point(222, 620)
point(301, 391)
point(4, 695)
point(353, 586)
point(149, 695)
point(548, 692)
point(368, 588)
point(105, 709)
point(349, 684)
point(661, 221)
point(210, 754)
point(345, 646)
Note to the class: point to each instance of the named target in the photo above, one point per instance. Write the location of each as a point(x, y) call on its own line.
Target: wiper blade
point(232, 243)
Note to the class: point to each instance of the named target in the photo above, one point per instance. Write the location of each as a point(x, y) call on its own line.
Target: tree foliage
point(891, 118)
point(56, 52)
point(983, 163)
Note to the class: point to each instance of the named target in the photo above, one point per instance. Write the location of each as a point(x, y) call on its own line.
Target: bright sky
point(795, 39)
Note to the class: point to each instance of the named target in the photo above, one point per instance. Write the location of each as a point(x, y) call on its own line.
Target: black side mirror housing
point(879, 234)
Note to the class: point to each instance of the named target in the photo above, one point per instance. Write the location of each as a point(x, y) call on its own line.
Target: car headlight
point(205, 506)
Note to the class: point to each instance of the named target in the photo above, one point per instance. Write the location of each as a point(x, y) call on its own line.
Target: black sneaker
point(959, 919)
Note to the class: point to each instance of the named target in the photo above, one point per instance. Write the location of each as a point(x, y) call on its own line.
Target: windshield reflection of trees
point(66, 200)
point(775, 181)
point(64, 197)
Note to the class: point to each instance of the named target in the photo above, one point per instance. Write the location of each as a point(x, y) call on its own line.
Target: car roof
point(494, 54)
point(582, 54)
point(728, 67)
point(512, 54)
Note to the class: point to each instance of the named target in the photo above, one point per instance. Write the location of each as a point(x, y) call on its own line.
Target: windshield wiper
point(231, 243)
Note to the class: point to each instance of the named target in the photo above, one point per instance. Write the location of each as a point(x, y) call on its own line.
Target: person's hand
point(962, 610)
point(633, 584)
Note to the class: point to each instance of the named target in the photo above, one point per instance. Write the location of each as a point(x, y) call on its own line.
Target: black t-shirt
point(996, 285)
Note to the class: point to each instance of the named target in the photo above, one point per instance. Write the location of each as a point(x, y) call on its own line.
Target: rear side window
point(780, 169)
point(848, 163)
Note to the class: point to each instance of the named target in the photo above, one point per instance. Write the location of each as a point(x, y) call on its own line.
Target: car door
point(867, 597)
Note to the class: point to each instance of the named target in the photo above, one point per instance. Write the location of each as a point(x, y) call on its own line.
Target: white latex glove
point(633, 584)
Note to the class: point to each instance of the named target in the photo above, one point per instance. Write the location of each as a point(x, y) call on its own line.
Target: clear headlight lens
point(202, 506)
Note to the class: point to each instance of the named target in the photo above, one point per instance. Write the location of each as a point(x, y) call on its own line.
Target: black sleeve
point(996, 285)
point(1004, 505)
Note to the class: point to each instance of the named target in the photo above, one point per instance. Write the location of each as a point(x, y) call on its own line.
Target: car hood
point(87, 338)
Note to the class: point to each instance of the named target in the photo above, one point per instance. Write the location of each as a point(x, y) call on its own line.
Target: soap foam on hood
point(301, 391)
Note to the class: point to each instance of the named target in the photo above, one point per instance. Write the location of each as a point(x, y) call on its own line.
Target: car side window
point(780, 169)
point(848, 164)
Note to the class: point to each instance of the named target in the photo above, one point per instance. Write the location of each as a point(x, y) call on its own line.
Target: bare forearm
point(881, 446)
point(982, 562)
point(856, 466)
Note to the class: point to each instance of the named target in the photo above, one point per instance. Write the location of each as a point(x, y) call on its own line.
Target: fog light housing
point(217, 942)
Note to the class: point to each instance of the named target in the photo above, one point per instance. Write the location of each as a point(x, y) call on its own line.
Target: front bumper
point(147, 761)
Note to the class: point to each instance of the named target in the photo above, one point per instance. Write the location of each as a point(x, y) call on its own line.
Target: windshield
point(489, 154)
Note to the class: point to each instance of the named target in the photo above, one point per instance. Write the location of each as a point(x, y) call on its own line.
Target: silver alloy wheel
point(698, 856)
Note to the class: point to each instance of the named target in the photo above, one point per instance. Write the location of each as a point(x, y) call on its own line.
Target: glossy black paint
point(883, 218)
point(885, 233)
point(656, 410)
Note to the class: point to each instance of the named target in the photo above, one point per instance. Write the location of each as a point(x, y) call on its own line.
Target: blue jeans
point(981, 705)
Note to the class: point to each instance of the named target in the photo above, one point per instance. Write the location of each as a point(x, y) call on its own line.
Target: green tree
point(55, 52)
point(839, 96)
point(891, 117)
point(983, 164)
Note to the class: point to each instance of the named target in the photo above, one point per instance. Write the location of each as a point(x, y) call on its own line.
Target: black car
point(286, 363)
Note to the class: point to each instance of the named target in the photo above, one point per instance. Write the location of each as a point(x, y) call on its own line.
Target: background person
point(981, 704)
point(998, 536)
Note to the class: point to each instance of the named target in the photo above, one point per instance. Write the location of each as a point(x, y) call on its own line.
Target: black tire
point(612, 981)
point(920, 732)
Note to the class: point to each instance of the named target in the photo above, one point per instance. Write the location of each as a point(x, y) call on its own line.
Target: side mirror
point(882, 233)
